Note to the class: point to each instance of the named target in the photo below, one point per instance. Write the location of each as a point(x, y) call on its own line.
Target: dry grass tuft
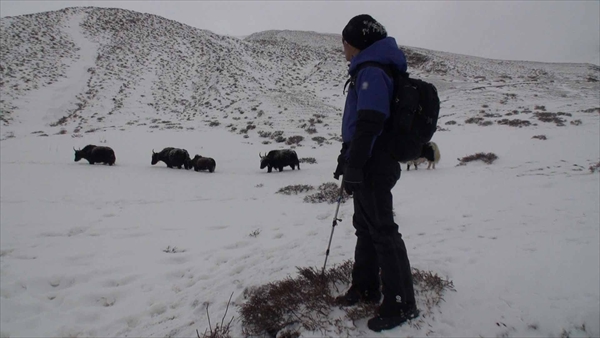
point(294, 139)
point(515, 123)
point(306, 302)
point(328, 192)
point(220, 330)
point(474, 120)
point(551, 118)
point(488, 158)
point(309, 160)
point(295, 189)
point(431, 288)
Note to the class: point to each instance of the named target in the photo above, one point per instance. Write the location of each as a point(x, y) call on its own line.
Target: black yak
point(279, 159)
point(96, 154)
point(173, 157)
point(203, 163)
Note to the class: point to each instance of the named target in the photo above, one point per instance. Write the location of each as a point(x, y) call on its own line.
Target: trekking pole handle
point(337, 209)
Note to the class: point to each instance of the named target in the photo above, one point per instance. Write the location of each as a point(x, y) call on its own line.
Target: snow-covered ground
point(83, 247)
point(139, 250)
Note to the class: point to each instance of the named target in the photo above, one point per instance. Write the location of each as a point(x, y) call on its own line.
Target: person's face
point(349, 51)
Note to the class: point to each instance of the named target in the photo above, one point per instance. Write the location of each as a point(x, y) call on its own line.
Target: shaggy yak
point(430, 153)
point(278, 159)
point(173, 157)
point(96, 154)
point(203, 163)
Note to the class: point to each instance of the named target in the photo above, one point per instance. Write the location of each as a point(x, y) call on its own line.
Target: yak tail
point(436, 152)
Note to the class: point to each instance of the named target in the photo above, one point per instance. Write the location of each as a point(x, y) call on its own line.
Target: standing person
point(369, 173)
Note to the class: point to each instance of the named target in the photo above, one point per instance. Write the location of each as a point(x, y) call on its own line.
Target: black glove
point(339, 170)
point(353, 179)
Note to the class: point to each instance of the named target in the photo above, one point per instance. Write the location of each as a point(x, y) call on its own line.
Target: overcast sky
point(549, 31)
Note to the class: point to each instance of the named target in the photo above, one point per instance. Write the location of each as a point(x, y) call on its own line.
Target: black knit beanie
point(362, 31)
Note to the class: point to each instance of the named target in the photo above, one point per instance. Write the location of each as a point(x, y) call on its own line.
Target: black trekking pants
point(379, 245)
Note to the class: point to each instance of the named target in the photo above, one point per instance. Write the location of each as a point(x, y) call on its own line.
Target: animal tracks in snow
point(565, 168)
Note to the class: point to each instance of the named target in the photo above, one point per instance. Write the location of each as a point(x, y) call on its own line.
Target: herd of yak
point(178, 158)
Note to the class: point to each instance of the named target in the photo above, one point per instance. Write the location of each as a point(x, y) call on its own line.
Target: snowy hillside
point(134, 68)
point(141, 250)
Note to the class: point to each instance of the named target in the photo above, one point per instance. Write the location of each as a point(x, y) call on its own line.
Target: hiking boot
point(390, 321)
point(353, 296)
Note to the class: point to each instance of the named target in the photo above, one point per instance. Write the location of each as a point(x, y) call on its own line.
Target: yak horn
point(153, 151)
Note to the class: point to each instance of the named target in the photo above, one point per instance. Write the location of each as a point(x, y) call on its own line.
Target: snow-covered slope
point(140, 250)
point(141, 67)
point(133, 69)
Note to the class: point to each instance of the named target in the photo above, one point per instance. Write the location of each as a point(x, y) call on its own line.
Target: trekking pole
point(335, 220)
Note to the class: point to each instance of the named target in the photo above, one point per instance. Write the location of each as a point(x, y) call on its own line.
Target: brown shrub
point(295, 189)
point(311, 129)
point(592, 110)
point(328, 192)
point(294, 139)
point(306, 302)
point(474, 120)
point(319, 139)
point(514, 122)
point(550, 117)
point(309, 160)
point(263, 133)
point(488, 158)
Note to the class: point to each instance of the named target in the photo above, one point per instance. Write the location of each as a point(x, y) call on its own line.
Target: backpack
point(414, 112)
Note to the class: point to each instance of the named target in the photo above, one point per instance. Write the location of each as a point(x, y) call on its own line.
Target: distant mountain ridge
point(118, 68)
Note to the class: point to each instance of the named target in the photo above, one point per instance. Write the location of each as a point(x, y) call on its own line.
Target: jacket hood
point(384, 51)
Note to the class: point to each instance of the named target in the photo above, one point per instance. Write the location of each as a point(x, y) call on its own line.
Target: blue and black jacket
point(368, 101)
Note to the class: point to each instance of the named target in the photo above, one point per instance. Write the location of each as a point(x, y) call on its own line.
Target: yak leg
point(280, 169)
point(269, 169)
